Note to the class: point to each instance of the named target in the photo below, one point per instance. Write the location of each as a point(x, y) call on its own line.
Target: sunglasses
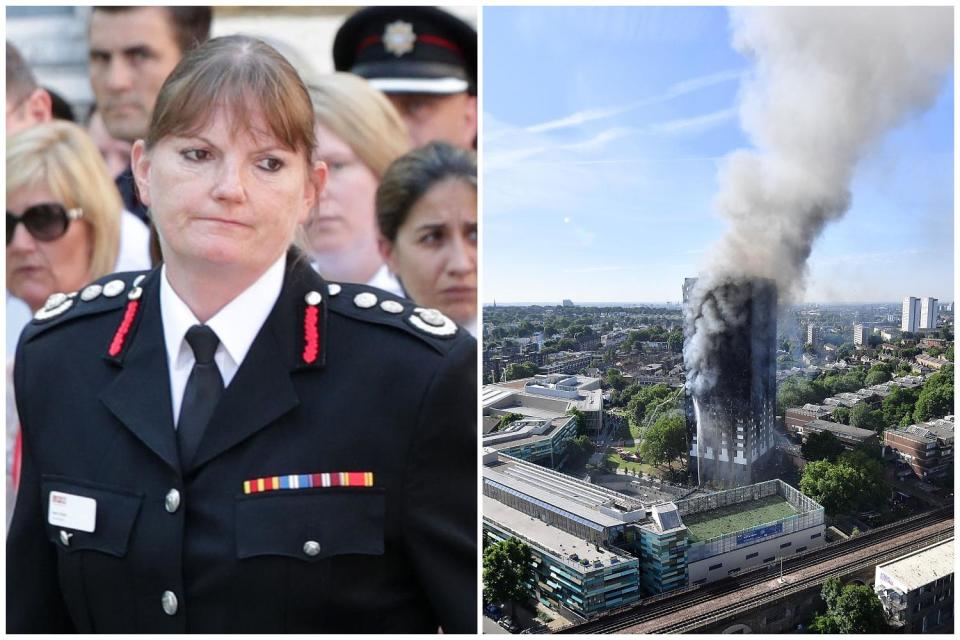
point(45, 222)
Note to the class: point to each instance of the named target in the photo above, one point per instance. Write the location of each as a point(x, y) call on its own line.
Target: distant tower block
point(734, 434)
point(813, 335)
point(928, 313)
point(910, 320)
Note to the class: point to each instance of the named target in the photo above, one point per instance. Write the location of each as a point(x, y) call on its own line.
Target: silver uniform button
point(172, 502)
point(432, 316)
point(333, 289)
point(55, 300)
point(113, 288)
point(365, 300)
point(313, 298)
point(139, 279)
point(391, 306)
point(311, 548)
point(169, 602)
point(135, 293)
point(91, 293)
point(52, 312)
point(65, 538)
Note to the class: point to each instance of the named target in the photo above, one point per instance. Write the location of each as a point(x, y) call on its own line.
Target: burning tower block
point(734, 398)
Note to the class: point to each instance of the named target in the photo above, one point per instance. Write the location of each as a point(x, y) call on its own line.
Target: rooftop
point(919, 568)
point(582, 499)
point(707, 525)
point(941, 429)
point(572, 550)
point(521, 433)
point(842, 429)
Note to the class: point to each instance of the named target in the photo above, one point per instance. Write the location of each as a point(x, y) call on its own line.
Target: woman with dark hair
point(234, 444)
point(427, 214)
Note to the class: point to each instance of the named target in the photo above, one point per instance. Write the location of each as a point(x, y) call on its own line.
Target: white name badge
point(72, 512)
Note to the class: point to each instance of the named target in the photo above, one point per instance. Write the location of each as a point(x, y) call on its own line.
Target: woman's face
point(224, 199)
point(435, 252)
point(37, 269)
point(344, 216)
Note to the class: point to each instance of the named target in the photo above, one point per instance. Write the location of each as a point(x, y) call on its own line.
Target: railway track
point(675, 601)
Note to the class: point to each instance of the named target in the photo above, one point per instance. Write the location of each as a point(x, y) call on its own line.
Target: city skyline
point(639, 105)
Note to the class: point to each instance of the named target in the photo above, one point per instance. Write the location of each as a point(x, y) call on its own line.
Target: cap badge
point(398, 38)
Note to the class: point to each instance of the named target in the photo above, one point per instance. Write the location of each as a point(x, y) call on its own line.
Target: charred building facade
point(732, 430)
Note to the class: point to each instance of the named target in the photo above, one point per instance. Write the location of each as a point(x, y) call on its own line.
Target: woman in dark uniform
point(229, 443)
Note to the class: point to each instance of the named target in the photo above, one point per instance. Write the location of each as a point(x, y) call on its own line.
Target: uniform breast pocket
point(85, 516)
point(311, 525)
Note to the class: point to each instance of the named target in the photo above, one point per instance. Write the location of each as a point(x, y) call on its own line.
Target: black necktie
point(204, 387)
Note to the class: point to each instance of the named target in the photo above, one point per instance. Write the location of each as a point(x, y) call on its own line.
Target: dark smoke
point(826, 84)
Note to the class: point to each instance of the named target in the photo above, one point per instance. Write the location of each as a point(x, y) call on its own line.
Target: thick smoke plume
point(826, 83)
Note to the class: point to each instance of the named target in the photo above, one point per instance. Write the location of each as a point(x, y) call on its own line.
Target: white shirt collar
point(237, 325)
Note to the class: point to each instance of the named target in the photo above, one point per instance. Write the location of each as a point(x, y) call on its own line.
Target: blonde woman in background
point(359, 133)
point(65, 221)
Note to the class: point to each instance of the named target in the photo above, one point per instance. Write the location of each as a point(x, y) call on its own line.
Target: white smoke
point(826, 84)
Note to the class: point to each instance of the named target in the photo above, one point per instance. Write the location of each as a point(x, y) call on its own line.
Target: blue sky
point(603, 130)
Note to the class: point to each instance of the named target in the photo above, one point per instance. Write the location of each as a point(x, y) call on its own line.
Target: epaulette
point(370, 304)
point(106, 294)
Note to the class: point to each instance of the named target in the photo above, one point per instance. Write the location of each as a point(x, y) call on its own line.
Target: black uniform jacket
point(382, 397)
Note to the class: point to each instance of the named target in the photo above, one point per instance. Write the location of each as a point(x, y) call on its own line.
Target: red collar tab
point(130, 318)
point(120, 337)
point(312, 352)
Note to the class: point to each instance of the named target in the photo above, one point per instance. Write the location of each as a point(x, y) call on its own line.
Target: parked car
point(507, 623)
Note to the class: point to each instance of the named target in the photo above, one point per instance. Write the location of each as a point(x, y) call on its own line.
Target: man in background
point(132, 51)
point(27, 103)
point(425, 60)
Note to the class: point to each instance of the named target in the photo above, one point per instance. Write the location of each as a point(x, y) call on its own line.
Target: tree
point(821, 446)
point(936, 398)
point(627, 394)
point(796, 392)
point(854, 608)
point(665, 439)
point(645, 400)
point(845, 350)
point(613, 378)
point(879, 373)
point(580, 418)
point(675, 340)
point(841, 415)
point(854, 481)
point(506, 572)
point(517, 371)
point(580, 447)
point(510, 417)
point(898, 405)
point(948, 354)
point(863, 417)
